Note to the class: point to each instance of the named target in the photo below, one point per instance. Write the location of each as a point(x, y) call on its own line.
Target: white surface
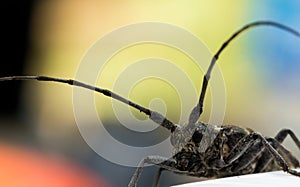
point(270, 179)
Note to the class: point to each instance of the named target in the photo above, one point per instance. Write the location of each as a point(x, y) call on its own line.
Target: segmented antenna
point(198, 109)
point(154, 116)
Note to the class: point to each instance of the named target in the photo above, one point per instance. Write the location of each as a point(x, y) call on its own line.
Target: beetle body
point(203, 156)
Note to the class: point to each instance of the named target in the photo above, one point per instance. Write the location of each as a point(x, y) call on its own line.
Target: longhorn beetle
point(204, 150)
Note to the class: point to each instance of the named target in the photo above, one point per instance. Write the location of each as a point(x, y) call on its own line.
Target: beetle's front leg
point(164, 164)
point(157, 177)
point(156, 160)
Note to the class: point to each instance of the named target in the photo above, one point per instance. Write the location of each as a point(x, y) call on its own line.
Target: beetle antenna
point(154, 116)
point(198, 109)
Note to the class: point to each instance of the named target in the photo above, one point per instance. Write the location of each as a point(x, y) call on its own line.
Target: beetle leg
point(277, 157)
point(157, 177)
point(248, 148)
point(244, 154)
point(266, 158)
point(241, 147)
point(279, 138)
point(283, 134)
point(157, 160)
point(164, 164)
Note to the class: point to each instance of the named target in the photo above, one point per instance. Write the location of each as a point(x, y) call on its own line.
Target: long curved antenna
point(198, 109)
point(154, 116)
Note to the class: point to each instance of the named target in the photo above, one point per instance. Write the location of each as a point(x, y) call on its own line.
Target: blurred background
point(260, 70)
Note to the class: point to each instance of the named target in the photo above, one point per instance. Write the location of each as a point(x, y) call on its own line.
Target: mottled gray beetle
point(203, 150)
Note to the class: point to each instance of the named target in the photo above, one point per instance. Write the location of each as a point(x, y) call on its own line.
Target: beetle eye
point(197, 137)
